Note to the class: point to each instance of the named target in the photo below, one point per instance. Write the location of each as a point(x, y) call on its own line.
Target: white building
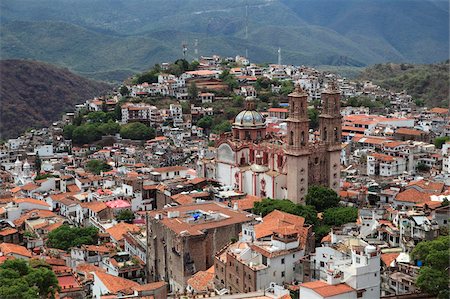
point(350, 265)
point(385, 165)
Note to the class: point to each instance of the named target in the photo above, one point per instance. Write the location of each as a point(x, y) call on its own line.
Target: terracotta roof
point(31, 201)
point(438, 110)
point(8, 231)
point(430, 186)
point(388, 258)
point(202, 281)
point(73, 188)
point(247, 202)
point(382, 157)
point(34, 213)
point(180, 224)
point(29, 187)
point(97, 248)
point(116, 284)
point(183, 199)
point(95, 206)
point(407, 131)
point(393, 144)
point(119, 230)
point(276, 220)
point(278, 110)
point(16, 189)
point(325, 290)
point(150, 286)
point(9, 248)
point(412, 195)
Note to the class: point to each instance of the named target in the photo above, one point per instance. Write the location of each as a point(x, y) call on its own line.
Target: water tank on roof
point(370, 249)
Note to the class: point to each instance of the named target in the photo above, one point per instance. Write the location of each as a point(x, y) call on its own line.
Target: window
point(282, 261)
point(359, 294)
point(358, 260)
point(322, 264)
point(282, 273)
point(293, 256)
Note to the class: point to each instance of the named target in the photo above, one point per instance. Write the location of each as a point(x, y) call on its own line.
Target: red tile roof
point(202, 281)
point(413, 195)
point(9, 248)
point(388, 258)
point(276, 220)
point(116, 284)
point(119, 230)
point(325, 290)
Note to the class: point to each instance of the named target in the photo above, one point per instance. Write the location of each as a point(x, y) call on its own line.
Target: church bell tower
point(330, 128)
point(297, 148)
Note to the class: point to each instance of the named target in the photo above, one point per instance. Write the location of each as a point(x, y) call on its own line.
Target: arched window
point(291, 138)
point(336, 134)
point(303, 138)
point(325, 134)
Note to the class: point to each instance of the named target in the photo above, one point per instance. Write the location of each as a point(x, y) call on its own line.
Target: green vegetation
point(37, 163)
point(193, 90)
point(422, 167)
point(97, 166)
point(125, 215)
point(88, 127)
point(44, 176)
point(428, 84)
point(229, 79)
point(268, 205)
point(439, 141)
point(222, 127)
point(322, 198)
point(137, 131)
point(340, 215)
point(113, 48)
point(433, 275)
point(19, 280)
point(364, 101)
point(65, 237)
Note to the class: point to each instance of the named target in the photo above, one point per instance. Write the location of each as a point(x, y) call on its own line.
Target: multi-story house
point(385, 165)
point(184, 239)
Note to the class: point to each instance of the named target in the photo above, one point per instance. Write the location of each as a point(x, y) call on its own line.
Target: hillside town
point(224, 178)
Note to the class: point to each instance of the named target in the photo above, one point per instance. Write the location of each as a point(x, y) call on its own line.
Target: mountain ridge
point(34, 94)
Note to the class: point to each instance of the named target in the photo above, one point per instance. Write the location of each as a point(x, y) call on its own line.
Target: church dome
point(249, 118)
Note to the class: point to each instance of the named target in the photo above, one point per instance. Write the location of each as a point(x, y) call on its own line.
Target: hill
point(427, 82)
point(34, 94)
point(111, 39)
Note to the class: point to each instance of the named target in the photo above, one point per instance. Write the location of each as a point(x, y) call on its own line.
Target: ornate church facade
point(252, 161)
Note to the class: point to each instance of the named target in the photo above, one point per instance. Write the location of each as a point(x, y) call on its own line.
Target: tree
point(433, 276)
point(97, 166)
point(37, 163)
point(193, 90)
point(340, 215)
point(124, 91)
point(125, 215)
point(439, 141)
point(322, 198)
point(422, 167)
point(267, 205)
point(19, 280)
point(313, 115)
point(321, 231)
point(205, 122)
point(137, 131)
point(65, 237)
point(68, 131)
point(222, 127)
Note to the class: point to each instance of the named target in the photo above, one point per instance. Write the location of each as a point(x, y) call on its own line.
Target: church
point(253, 161)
